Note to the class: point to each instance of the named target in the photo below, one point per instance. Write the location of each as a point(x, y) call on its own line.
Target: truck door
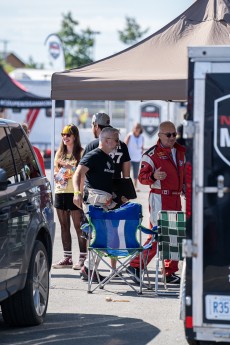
point(208, 275)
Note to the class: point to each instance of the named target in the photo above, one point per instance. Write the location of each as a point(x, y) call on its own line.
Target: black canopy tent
point(13, 96)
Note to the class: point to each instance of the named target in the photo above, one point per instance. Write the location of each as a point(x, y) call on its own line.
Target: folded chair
point(171, 232)
point(115, 234)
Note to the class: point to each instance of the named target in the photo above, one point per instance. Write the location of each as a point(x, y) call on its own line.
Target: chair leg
point(164, 274)
point(145, 271)
point(89, 285)
point(94, 260)
point(140, 265)
point(157, 270)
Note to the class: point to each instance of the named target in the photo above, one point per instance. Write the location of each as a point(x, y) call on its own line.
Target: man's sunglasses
point(117, 140)
point(169, 135)
point(66, 134)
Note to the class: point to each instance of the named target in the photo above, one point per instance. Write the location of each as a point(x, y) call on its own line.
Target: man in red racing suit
point(162, 168)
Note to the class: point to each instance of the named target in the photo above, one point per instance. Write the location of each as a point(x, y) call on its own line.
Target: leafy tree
point(77, 46)
point(32, 64)
point(132, 32)
point(6, 66)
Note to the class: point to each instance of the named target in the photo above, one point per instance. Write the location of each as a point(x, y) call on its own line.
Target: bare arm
point(126, 141)
point(143, 141)
point(126, 169)
point(78, 182)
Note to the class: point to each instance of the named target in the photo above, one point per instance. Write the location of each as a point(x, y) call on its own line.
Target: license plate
point(217, 307)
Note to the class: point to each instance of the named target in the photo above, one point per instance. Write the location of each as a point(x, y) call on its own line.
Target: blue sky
point(26, 24)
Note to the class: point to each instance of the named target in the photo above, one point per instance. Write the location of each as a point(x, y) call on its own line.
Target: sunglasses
point(169, 135)
point(116, 140)
point(65, 134)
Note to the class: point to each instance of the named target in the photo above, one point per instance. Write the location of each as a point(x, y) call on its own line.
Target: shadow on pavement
point(69, 329)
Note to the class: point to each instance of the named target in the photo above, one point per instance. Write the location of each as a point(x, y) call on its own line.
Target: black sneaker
point(136, 274)
point(84, 275)
point(172, 279)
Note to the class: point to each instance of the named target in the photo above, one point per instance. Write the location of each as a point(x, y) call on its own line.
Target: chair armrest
point(147, 231)
point(153, 232)
point(87, 228)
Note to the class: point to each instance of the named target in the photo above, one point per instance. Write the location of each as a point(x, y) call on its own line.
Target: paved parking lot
point(75, 317)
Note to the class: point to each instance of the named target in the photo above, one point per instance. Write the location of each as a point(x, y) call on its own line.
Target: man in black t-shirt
point(96, 168)
point(120, 156)
point(101, 170)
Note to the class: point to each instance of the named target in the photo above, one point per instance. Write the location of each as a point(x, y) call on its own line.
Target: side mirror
point(3, 180)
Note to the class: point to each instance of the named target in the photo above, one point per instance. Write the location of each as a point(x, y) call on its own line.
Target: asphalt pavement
point(76, 317)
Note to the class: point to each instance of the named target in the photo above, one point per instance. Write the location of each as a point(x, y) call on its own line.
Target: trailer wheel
point(28, 306)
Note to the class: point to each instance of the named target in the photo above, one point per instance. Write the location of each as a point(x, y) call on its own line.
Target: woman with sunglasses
point(65, 163)
point(162, 168)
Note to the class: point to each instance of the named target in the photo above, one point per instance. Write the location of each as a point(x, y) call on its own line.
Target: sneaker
point(172, 279)
point(80, 264)
point(66, 262)
point(84, 275)
point(136, 274)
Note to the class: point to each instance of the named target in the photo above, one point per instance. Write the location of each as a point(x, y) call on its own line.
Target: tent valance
point(13, 96)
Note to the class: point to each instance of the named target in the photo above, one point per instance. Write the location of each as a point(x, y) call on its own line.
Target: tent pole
point(167, 110)
point(110, 110)
point(52, 144)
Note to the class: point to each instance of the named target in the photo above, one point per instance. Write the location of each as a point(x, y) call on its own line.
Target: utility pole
point(5, 42)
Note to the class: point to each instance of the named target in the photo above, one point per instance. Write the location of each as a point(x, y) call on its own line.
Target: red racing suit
point(164, 194)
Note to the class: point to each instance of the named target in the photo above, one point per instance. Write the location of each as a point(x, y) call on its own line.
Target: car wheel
point(28, 306)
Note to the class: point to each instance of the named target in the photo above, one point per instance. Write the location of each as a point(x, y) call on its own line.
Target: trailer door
point(211, 198)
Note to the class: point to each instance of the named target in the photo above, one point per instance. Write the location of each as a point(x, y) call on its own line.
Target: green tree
point(32, 64)
point(132, 32)
point(78, 46)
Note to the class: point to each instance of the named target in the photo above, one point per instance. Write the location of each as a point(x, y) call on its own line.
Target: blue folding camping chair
point(116, 234)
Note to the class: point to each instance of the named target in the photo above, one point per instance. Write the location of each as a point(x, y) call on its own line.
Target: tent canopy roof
point(12, 95)
point(155, 68)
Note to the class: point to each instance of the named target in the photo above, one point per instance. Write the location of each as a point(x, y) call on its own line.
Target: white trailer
point(38, 82)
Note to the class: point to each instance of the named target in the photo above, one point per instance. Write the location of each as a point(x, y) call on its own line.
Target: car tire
point(28, 306)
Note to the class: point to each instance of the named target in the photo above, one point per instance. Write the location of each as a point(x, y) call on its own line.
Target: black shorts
point(64, 201)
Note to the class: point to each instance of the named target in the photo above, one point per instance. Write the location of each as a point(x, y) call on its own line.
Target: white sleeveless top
point(135, 145)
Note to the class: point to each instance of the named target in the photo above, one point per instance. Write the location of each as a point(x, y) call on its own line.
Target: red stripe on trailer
point(31, 117)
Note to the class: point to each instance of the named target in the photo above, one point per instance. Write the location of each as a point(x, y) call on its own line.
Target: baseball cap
point(101, 119)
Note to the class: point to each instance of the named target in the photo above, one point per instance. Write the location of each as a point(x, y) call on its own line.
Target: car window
point(24, 157)
point(6, 158)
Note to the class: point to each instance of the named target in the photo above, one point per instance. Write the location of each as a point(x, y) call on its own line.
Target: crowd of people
point(85, 176)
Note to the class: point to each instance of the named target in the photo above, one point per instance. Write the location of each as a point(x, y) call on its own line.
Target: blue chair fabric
point(116, 234)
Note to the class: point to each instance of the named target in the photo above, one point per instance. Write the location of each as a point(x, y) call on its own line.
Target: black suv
point(27, 230)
